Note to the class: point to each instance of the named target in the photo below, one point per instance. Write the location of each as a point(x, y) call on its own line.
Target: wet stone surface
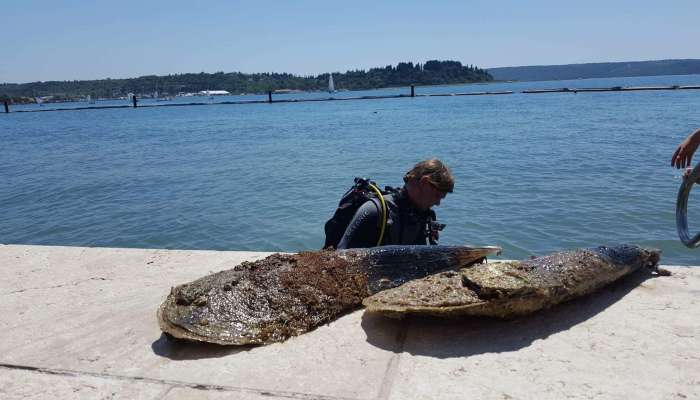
point(516, 288)
point(284, 295)
point(265, 301)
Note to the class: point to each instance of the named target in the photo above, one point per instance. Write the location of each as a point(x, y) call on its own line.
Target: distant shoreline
point(402, 74)
point(572, 88)
point(31, 100)
point(534, 73)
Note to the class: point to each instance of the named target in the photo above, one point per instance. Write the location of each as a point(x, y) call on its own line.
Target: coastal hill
point(405, 73)
point(596, 70)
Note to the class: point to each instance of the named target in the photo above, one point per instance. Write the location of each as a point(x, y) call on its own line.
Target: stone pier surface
point(80, 323)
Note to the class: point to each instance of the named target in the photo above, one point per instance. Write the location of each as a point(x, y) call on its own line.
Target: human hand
point(434, 236)
point(683, 155)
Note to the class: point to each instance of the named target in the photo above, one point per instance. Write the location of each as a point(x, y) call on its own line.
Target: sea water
point(535, 173)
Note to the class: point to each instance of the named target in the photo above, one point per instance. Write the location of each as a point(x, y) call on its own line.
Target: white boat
point(157, 96)
point(89, 99)
point(164, 98)
point(214, 93)
point(331, 86)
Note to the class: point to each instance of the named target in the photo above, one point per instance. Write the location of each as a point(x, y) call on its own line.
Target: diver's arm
point(684, 153)
point(362, 230)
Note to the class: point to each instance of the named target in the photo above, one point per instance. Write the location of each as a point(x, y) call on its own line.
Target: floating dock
point(609, 89)
point(80, 323)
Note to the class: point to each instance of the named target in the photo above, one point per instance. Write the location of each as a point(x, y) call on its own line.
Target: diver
point(409, 215)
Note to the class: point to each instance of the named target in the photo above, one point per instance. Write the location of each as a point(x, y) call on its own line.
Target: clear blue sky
point(66, 40)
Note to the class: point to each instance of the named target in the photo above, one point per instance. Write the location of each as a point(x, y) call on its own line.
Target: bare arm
point(684, 153)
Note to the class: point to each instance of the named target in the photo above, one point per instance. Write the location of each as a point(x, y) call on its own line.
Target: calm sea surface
point(534, 173)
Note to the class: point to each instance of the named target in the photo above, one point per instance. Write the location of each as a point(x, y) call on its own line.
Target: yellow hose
point(384, 215)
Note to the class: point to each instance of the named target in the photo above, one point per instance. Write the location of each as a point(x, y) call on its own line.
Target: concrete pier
point(79, 323)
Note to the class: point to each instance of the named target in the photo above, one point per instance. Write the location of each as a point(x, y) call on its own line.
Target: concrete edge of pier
point(79, 322)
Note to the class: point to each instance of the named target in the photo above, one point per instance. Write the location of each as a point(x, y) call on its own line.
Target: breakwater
point(270, 99)
point(611, 89)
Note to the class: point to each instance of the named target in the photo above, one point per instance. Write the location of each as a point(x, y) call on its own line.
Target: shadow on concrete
point(385, 333)
point(463, 337)
point(177, 349)
point(183, 349)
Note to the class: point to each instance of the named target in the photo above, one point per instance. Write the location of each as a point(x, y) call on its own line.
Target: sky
point(74, 40)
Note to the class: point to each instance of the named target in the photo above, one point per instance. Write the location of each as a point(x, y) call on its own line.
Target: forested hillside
point(405, 73)
point(596, 70)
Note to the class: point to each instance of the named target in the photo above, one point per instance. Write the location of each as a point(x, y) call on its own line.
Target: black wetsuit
point(405, 224)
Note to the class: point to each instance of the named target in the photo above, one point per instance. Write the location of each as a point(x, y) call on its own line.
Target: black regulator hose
point(682, 209)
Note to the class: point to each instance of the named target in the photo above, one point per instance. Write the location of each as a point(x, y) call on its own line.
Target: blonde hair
point(437, 172)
